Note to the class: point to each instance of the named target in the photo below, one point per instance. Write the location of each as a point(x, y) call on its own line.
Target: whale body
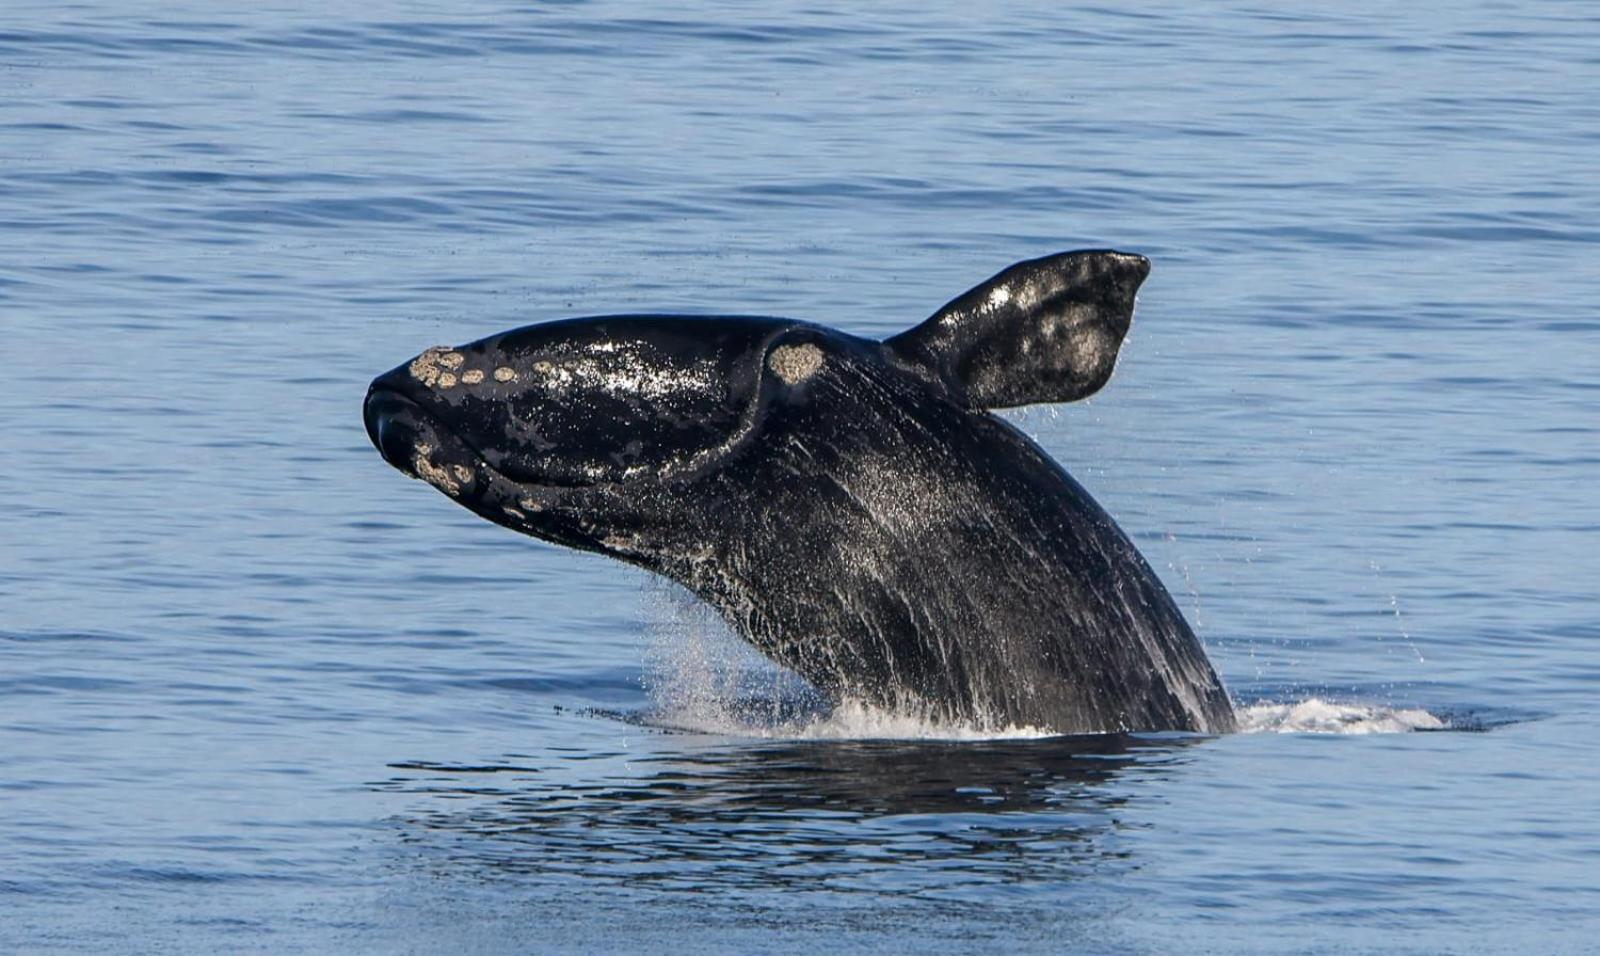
point(849, 506)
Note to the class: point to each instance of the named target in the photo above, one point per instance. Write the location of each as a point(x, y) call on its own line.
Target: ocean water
point(260, 694)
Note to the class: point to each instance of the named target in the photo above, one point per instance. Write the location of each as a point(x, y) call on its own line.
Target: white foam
point(1317, 716)
point(849, 720)
point(853, 720)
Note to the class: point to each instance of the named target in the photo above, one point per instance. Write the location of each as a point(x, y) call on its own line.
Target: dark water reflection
point(874, 816)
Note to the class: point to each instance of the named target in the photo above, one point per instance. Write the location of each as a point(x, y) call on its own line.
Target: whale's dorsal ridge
point(1043, 330)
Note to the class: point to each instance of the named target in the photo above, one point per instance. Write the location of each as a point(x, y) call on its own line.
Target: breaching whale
point(849, 506)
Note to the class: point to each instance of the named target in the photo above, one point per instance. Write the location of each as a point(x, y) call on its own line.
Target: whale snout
point(402, 423)
point(393, 425)
point(417, 444)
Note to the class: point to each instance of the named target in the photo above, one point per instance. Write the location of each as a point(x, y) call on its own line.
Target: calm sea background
point(260, 694)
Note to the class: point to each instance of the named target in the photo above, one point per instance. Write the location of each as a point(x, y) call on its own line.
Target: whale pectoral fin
point(1044, 330)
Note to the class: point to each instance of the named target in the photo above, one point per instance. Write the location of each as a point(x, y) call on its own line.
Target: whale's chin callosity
point(850, 507)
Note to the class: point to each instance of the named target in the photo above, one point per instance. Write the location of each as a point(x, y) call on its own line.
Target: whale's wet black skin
point(849, 506)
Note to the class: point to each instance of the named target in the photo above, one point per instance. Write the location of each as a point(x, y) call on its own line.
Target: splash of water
point(698, 674)
point(1317, 716)
point(703, 679)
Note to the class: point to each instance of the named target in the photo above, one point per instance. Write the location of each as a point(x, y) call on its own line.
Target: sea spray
point(1315, 715)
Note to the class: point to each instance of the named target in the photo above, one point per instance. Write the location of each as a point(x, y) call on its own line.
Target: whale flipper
point(1044, 330)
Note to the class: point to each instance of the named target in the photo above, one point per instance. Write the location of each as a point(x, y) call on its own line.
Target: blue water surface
point(260, 694)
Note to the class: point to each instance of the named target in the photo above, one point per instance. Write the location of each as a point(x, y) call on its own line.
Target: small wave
point(849, 720)
point(1318, 716)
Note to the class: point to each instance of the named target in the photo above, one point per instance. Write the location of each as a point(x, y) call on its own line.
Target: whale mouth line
point(422, 444)
point(397, 422)
point(388, 406)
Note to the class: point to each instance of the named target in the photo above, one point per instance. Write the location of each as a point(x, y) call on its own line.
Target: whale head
point(594, 432)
